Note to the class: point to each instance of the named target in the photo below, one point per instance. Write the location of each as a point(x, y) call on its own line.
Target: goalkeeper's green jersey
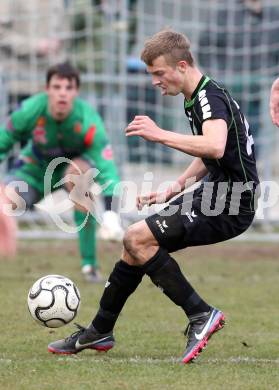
point(81, 134)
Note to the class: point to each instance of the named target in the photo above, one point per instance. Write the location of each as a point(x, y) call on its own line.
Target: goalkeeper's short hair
point(64, 70)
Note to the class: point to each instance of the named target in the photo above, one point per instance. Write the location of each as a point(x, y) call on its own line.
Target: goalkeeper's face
point(167, 77)
point(61, 94)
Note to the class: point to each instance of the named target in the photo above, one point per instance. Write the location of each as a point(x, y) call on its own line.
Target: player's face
point(61, 94)
point(168, 78)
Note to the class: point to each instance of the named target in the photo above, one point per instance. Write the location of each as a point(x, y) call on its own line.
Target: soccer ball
point(53, 301)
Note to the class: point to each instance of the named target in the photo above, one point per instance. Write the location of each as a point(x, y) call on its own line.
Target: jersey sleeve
point(7, 140)
point(99, 154)
point(17, 128)
point(214, 105)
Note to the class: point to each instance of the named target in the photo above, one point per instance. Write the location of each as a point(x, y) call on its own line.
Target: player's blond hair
point(173, 46)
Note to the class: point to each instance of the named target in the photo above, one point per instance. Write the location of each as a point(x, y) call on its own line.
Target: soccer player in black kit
point(221, 208)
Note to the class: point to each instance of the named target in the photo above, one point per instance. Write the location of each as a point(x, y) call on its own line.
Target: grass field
point(240, 278)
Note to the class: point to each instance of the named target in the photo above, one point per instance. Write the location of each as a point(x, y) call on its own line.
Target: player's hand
point(8, 230)
point(144, 127)
point(274, 102)
point(159, 197)
point(110, 228)
point(153, 198)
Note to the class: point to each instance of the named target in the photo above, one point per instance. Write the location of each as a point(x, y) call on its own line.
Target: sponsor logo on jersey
point(39, 133)
point(89, 136)
point(107, 153)
point(77, 127)
point(162, 226)
point(41, 121)
point(205, 106)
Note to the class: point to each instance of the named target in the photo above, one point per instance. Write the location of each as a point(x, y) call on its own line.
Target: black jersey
point(232, 178)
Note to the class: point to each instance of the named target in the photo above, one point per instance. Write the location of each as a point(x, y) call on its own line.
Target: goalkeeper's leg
point(78, 186)
point(87, 246)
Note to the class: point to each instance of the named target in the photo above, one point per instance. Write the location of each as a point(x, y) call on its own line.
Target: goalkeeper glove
point(110, 228)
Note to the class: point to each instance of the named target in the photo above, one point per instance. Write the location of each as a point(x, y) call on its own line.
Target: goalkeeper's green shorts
point(33, 173)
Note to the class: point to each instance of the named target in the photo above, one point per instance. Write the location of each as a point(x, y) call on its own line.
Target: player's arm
point(209, 145)
point(18, 127)
point(274, 102)
point(194, 173)
point(9, 135)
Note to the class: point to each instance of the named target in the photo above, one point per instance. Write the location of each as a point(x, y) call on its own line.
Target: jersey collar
point(203, 81)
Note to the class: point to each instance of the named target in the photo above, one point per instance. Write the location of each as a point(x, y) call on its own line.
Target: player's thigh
point(139, 235)
point(167, 227)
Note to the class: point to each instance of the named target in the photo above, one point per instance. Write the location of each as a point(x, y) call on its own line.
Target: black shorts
point(182, 224)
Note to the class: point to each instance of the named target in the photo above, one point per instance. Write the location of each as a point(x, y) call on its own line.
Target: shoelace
point(78, 332)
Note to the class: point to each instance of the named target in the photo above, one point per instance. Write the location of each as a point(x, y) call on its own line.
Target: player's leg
point(88, 246)
point(199, 229)
point(16, 195)
point(121, 283)
point(8, 228)
point(141, 255)
point(172, 234)
point(83, 203)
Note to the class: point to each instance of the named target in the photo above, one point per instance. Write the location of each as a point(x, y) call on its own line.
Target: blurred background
point(235, 42)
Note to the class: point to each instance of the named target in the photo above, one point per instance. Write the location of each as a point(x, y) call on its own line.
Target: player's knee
point(131, 240)
point(128, 258)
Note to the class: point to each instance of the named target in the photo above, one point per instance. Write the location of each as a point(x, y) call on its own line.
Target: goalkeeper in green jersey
point(58, 124)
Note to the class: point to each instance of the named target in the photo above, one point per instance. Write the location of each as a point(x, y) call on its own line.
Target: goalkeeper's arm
point(19, 126)
point(7, 140)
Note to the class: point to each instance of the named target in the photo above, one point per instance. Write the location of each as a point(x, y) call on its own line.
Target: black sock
point(165, 273)
point(122, 282)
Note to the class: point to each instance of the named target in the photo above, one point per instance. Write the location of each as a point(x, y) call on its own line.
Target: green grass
point(242, 279)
